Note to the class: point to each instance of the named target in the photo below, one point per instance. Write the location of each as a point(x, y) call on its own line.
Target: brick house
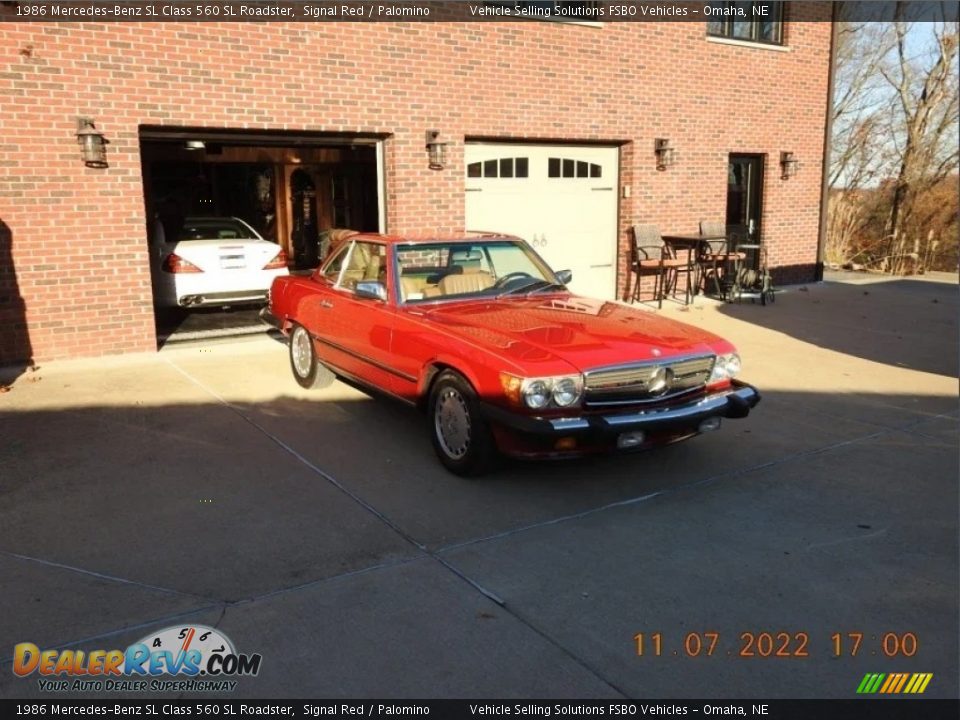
point(561, 111)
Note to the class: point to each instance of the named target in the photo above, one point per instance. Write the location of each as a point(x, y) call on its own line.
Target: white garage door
point(562, 199)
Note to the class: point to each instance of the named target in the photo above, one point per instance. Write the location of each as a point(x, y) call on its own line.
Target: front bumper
point(733, 402)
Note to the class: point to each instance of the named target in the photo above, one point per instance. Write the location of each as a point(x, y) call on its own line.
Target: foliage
point(895, 146)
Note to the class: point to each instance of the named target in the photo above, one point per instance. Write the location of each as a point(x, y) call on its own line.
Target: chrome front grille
point(646, 382)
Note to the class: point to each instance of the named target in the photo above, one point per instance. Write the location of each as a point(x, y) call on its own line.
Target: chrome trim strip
point(647, 363)
point(708, 404)
point(364, 358)
point(641, 401)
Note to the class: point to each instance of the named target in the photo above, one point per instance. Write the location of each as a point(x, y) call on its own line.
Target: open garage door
point(562, 199)
point(290, 189)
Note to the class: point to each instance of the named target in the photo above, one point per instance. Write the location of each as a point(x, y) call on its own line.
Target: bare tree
point(924, 122)
point(895, 125)
point(860, 156)
point(860, 101)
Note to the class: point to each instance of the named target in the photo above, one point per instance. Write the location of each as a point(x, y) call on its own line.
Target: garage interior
point(293, 189)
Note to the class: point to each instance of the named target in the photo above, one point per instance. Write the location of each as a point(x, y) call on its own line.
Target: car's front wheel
point(307, 370)
point(460, 434)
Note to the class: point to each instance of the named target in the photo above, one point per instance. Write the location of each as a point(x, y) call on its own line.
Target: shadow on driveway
point(906, 323)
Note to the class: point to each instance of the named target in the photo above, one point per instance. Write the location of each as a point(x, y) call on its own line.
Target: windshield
point(215, 228)
point(487, 268)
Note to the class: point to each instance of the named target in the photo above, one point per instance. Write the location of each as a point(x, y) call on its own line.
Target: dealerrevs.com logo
point(200, 658)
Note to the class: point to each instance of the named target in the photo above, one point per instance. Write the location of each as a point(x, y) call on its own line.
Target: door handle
point(326, 304)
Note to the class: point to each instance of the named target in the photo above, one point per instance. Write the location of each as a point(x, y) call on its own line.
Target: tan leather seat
point(375, 269)
point(364, 265)
point(410, 286)
point(465, 283)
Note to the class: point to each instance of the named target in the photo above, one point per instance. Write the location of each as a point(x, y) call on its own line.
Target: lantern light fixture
point(788, 165)
point(666, 154)
point(436, 150)
point(93, 146)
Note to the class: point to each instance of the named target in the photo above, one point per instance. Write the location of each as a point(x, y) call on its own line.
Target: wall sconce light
point(437, 150)
point(666, 155)
point(788, 165)
point(194, 145)
point(93, 146)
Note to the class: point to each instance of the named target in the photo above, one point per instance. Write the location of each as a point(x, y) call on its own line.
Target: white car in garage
point(213, 261)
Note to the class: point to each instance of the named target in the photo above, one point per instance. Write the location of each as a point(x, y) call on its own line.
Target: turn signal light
point(278, 263)
point(173, 263)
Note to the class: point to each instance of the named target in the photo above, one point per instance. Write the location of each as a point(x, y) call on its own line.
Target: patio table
point(692, 244)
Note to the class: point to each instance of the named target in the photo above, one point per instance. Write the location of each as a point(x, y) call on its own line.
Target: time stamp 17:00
point(774, 644)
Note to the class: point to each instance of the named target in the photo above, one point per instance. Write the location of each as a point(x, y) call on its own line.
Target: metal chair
point(652, 257)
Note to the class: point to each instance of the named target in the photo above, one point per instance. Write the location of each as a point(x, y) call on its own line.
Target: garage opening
point(228, 210)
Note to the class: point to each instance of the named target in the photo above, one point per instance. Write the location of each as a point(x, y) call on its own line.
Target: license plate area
point(233, 262)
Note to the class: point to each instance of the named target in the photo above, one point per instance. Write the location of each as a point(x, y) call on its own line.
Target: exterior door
point(744, 196)
point(562, 199)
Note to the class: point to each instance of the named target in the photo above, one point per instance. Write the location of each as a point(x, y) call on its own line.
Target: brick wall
point(73, 258)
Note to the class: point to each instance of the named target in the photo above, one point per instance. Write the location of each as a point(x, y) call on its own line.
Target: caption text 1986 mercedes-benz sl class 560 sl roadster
point(482, 335)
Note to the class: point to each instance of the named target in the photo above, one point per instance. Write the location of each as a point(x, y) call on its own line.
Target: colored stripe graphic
point(894, 683)
point(903, 681)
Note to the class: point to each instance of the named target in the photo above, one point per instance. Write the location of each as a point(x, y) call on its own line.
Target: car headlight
point(538, 393)
point(566, 391)
point(725, 367)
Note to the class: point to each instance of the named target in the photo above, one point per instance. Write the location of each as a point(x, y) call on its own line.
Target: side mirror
point(371, 289)
point(564, 276)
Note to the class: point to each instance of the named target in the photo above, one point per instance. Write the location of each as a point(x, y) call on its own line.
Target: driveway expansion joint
point(424, 550)
point(104, 576)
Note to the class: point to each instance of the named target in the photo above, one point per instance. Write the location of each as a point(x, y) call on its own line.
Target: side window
point(367, 261)
point(331, 271)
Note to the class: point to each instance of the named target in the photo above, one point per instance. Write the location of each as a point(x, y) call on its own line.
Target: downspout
point(827, 136)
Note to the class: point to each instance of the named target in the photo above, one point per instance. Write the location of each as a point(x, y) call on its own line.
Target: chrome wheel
point(451, 419)
point(301, 352)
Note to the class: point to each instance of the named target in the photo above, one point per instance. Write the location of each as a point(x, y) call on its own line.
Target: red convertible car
point(483, 336)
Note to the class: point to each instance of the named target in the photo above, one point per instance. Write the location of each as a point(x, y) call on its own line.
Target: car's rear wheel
point(460, 434)
point(307, 370)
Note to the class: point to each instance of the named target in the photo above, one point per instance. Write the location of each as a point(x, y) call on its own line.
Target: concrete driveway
point(202, 485)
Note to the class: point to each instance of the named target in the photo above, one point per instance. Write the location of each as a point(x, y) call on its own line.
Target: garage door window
point(509, 167)
point(570, 168)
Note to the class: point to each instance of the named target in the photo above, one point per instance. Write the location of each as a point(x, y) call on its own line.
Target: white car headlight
point(560, 391)
point(536, 394)
point(725, 367)
point(566, 391)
